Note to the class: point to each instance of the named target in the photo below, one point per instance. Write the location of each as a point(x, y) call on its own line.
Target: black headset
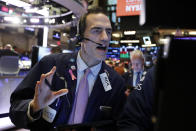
point(81, 28)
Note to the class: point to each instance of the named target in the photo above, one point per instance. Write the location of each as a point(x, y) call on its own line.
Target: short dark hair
point(56, 49)
point(82, 22)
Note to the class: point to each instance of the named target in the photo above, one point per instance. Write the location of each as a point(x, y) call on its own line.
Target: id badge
point(105, 81)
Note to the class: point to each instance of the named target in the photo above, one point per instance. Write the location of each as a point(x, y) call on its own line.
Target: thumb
point(60, 93)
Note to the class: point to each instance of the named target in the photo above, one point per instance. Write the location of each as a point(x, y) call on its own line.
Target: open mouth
point(102, 47)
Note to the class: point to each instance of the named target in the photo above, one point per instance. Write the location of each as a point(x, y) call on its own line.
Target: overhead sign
point(128, 7)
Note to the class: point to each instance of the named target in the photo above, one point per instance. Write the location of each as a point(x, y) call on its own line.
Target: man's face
point(98, 29)
point(137, 64)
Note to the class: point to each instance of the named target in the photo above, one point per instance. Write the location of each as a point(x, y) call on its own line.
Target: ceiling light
point(31, 10)
point(117, 35)
point(24, 21)
point(34, 20)
point(46, 20)
point(11, 11)
point(129, 32)
point(14, 20)
point(64, 34)
point(63, 21)
point(149, 45)
point(164, 40)
point(52, 21)
point(192, 33)
point(129, 41)
point(17, 3)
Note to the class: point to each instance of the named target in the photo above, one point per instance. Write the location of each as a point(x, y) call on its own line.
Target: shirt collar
point(137, 72)
point(81, 65)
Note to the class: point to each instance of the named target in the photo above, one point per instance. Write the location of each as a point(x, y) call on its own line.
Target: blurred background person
point(56, 49)
point(8, 47)
point(138, 110)
point(154, 59)
point(119, 67)
point(148, 61)
point(110, 63)
point(137, 71)
point(1, 47)
point(126, 66)
point(8, 50)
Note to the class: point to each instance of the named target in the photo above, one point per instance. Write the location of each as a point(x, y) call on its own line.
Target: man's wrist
point(34, 107)
point(32, 115)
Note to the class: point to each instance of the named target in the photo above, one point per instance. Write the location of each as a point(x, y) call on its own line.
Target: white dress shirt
point(135, 77)
point(81, 66)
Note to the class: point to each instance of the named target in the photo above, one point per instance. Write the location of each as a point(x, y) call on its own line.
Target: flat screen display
point(43, 51)
point(29, 30)
point(113, 52)
point(25, 62)
point(147, 40)
point(56, 35)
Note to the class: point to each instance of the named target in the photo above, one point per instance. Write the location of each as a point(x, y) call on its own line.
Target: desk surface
point(7, 85)
point(3, 77)
point(21, 74)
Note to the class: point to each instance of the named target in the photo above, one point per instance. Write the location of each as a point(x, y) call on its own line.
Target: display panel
point(56, 35)
point(113, 52)
point(29, 30)
point(174, 92)
point(128, 7)
point(147, 40)
point(43, 51)
point(25, 62)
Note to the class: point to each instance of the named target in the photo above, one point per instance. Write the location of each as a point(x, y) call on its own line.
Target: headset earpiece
point(79, 38)
point(81, 28)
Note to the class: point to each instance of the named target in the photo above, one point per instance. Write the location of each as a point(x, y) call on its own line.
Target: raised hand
point(43, 95)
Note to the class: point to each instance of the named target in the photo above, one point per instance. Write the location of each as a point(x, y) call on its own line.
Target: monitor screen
point(113, 52)
point(175, 92)
point(147, 40)
point(25, 62)
point(29, 30)
point(56, 35)
point(125, 52)
point(43, 51)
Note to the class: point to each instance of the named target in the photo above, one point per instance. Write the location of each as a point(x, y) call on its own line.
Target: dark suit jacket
point(138, 109)
point(24, 93)
point(7, 52)
point(128, 77)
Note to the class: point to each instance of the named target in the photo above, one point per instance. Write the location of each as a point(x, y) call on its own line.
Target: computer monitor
point(113, 52)
point(43, 51)
point(56, 35)
point(175, 84)
point(147, 40)
point(25, 62)
point(29, 30)
point(38, 52)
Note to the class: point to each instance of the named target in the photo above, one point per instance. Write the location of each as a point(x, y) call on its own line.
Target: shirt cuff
point(33, 117)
